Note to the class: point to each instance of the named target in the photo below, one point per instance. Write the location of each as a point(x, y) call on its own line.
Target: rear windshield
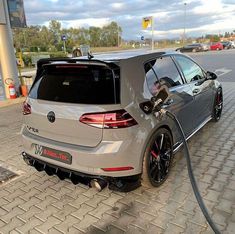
point(84, 84)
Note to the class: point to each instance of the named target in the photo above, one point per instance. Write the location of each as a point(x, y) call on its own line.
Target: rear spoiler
point(45, 61)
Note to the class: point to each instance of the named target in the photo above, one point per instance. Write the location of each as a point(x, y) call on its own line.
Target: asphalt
point(33, 202)
point(221, 62)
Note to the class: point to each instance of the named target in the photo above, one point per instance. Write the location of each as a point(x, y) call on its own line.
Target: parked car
point(205, 46)
point(226, 45)
point(191, 48)
point(233, 44)
point(217, 46)
point(83, 118)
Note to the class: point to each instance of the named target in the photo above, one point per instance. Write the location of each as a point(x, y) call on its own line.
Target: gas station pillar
point(7, 54)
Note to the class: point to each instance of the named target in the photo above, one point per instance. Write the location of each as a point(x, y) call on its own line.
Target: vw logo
point(38, 149)
point(51, 116)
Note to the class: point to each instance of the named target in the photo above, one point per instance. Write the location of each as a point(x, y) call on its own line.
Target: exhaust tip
point(98, 184)
point(27, 160)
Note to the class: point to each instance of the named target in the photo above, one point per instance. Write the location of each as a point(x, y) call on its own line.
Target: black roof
point(121, 55)
point(106, 57)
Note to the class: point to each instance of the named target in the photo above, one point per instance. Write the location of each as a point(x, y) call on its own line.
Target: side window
point(162, 69)
point(190, 69)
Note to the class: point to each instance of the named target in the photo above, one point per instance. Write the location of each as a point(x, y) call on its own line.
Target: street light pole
point(64, 47)
point(185, 4)
point(118, 38)
point(152, 25)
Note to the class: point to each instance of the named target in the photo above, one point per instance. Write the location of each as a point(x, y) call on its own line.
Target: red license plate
point(57, 155)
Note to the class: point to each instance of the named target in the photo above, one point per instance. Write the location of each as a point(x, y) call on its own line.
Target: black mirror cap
point(211, 75)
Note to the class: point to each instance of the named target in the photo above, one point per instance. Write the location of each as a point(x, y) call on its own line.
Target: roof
point(106, 57)
point(121, 55)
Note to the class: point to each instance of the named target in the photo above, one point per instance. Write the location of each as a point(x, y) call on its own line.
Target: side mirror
point(211, 75)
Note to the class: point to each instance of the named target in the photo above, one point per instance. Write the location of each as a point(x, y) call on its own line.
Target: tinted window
point(190, 69)
point(85, 84)
point(162, 69)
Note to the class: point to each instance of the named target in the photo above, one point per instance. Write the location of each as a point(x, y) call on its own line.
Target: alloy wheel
point(218, 104)
point(160, 155)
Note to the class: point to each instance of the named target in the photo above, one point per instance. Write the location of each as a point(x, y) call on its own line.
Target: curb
point(10, 102)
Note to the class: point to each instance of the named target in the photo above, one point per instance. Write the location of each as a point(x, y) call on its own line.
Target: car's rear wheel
point(194, 50)
point(157, 158)
point(218, 105)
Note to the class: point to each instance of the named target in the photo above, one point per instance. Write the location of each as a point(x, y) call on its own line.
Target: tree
point(49, 38)
point(213, 37)
point(95, 36)
point(227, 34)
point(46, 38)
point(55, 30)
point(111, 34)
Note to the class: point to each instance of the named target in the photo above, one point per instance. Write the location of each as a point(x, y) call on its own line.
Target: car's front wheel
point(157, 158)
point(218, 105)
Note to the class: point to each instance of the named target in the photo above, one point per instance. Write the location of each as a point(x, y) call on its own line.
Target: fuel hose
point(190, 173)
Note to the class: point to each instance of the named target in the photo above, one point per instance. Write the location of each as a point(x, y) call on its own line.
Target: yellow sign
point(146, 22)
point(19, 59)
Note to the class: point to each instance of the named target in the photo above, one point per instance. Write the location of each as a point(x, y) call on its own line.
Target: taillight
point(26, 108)
point(113, 119)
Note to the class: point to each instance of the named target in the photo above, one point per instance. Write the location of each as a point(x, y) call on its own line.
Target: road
point(222, 62)
point(33, 202)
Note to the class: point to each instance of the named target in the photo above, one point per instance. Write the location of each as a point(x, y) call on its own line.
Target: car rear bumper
point(122, 184)
point(88, 160)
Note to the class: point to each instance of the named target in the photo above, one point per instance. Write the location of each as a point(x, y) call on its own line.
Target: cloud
point(202, 16)
point(87, 22)
point(117, 5)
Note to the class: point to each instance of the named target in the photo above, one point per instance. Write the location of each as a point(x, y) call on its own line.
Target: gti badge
point(51, 116)
point(32, 129)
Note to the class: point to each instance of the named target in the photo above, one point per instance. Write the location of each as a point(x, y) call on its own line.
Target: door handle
point(196, 91)
point(168, 102)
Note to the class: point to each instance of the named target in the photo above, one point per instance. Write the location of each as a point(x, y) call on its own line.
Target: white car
point(233, 44)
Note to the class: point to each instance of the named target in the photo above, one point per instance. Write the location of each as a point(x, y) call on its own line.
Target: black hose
point(191, 175)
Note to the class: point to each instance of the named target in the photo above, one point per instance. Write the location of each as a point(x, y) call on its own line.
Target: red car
point(216, 46)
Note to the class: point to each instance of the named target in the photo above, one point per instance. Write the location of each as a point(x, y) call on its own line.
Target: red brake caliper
point(154, 154)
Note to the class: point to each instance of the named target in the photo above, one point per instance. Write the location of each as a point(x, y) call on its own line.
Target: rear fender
point(166, 123)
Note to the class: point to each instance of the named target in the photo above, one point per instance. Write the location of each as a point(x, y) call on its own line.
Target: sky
point(202, 16)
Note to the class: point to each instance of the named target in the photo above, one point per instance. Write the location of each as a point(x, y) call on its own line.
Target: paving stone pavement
point(36, 203)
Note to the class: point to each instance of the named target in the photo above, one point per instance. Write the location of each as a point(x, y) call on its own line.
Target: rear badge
point(35, 130)
point(51, 116)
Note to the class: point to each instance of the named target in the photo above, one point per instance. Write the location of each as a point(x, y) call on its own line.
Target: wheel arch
point(164, 126)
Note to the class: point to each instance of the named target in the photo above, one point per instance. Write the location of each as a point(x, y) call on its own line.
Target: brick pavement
point(36, 203)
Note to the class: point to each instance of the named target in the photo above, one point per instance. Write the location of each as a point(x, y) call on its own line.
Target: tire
point(218, 105)
point(157, 158)
point(217, 49)
point(194, 50)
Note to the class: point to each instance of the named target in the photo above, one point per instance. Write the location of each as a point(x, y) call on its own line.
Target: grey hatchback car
point(83, 118)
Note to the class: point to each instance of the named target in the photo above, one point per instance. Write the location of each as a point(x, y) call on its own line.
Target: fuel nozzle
point(156, 102)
